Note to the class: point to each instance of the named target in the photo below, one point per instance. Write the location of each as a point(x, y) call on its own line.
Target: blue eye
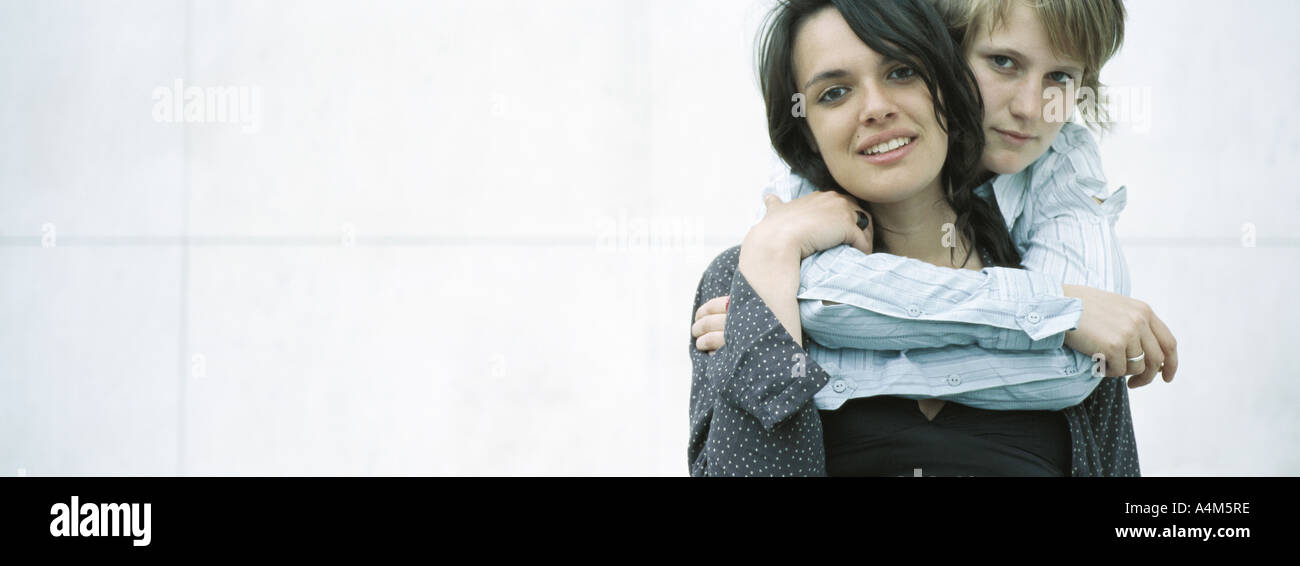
point(902, 73)
point(826, 96)
point(1001, 61)
point(1060, 76)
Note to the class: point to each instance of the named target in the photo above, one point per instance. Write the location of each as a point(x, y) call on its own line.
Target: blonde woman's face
point(1015, 67)
point(871, 118)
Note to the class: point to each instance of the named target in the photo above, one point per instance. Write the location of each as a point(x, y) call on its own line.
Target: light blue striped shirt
point(990, 339)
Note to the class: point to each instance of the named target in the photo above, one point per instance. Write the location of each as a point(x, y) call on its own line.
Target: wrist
point(1075, 341)
point(767, 258)
point(772, 242)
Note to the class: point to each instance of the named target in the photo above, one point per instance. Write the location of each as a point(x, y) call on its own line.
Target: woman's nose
point(1028, 101)
point(877, 107)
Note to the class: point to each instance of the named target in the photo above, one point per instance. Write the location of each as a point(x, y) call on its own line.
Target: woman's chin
point(882, 195)
point(1006, 162)
point(888, 184)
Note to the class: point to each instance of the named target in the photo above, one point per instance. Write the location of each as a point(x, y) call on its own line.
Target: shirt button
point(914, 311)
point(839, 386)
point(1034, 318)
point(954, 380)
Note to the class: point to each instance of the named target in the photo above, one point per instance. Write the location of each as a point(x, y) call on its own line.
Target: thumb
point(770, 199)
point(860, 239)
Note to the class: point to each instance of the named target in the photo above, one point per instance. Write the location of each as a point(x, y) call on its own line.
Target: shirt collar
point(1011, 189)
point(1010, 192)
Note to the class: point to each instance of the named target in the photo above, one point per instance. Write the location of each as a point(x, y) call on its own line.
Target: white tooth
point(893, 144)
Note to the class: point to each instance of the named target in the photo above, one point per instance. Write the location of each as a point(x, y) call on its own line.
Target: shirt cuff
point(1042, 321)
point(764, 371)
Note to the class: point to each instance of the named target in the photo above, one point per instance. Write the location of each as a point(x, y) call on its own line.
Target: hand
point(815, 222)
point(710, 320)
point(789, 232)
point(1121, 328)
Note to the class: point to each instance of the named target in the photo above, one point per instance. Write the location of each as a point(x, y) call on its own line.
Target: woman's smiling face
point(871, 117)
point(1013, 65)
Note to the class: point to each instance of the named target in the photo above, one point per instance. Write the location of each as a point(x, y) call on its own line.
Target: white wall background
point(431, 257)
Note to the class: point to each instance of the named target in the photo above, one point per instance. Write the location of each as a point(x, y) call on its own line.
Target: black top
point(750, 414)
point(889, 436)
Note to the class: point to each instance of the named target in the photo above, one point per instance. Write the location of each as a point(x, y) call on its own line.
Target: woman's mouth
point(1013, 137)
point(889, 151)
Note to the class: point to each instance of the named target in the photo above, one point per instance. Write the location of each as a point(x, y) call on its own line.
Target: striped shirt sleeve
point(950, 323)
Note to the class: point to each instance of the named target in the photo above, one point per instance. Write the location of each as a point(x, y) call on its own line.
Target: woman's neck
point(922, 227)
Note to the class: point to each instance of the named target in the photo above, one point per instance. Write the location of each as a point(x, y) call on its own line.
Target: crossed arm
point(1011, 322)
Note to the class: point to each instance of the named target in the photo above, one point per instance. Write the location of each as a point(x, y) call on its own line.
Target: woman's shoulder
point(1074, 137)
point(718, 277)
point(1070, 170)
point(722, 269)
point(1074, 151)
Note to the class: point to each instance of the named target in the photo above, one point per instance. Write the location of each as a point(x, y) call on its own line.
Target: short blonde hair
point(1089, 31)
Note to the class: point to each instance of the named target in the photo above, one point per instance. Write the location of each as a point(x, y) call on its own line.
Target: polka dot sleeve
point(751, 410)
point(1101, 429)
point(764, 371)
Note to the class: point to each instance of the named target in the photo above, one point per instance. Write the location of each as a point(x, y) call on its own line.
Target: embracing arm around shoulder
point(1066, 236)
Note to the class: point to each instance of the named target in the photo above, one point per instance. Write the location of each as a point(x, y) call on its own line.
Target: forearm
point(772, 270)
point(761, 369)
point(888, 302)
point(988, 379)
point(1061, 219)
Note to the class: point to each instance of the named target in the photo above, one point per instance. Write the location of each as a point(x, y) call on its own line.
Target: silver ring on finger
point(1139, 358)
